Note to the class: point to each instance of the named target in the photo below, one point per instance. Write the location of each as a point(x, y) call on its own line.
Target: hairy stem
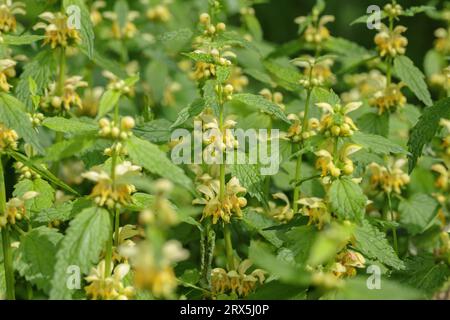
point(6, 241)
point(228, 246)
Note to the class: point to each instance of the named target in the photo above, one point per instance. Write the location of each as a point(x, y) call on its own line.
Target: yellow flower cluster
point(225, 208)
point(342, 165)
point(281, 213)
point(159, 13)
point(8, 11)
point(335, 122)
point(206, 70)
point(53, 102)
point(109, 130)
point(346, 263)
point(317, 211)
point(296, 132)
point(128, 31)
point(108, 287)
point(389, 98)
point(210, 30)
point(316, 32)
point(15, 209)
point(442, 42)
point(25, 172)
point(6, 71)
point(236, 281)
point(441, 79)
point(8, 138)
point(319, 71)
point(109, 194)
point(389, 179)
point(393, 10)
point(275, 97)
point(443, 180)
point(58, 32)
point(364, 85)
point(391, 43)
point(237, 79)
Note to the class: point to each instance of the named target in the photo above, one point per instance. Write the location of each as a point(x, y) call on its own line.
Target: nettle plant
point(96, 204)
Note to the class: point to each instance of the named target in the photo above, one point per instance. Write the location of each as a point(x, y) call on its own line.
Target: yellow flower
point(109, 194)
point(91, 101)
point(53, 102)
point(96, 16)
point(231, 203)
point(8, 138)
point(442, 43)
point(365, 85)
point(236, 281)
point(391, 43)
point(126, 32)
point(443, 181)
point(316, 32)
point(108, 287)
point(6, 71)
point(346, 263)
point(25, 172)
point(169, 93)
point(58, 32)
point(237, 79)
point(317, 211)
point(15, 208)
point(8, 11)
point(335, 121)
point(389, 179)
point(389, 98)
point(159, 13)
point(281, 213)
point(320, 71)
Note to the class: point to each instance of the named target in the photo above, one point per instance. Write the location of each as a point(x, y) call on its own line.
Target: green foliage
point(417, 212)
point(347, 199)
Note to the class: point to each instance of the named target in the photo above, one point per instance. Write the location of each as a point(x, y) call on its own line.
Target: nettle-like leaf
point(347, 199)
point(262, 104)
point(210, 96)
point(81, 247)
point(223, 73)
point(377, 144)
point(87, 29)
point(286, 77)
point(258, 222)
point(194, 109)
point(374, 123)
point(13, 115)
point(417, 212)
point(43, 200)
point(73, 125)
point(107, 102)
point(426, 128)
point(156, 131)
point(323, 95)
point(11, 40)
point(154, 160)
point(413, 77)
point(64, 149)
point(372, 243)
point(250, 178)
point(41, 70)
point(37, 256)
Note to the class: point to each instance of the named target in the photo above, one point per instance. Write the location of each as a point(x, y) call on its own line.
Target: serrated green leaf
point(156, 131)
point(13, 115)
point(259, 222)
point(411, 11)
point(374, 123)
point(64, 149)
point(108, 101)
point(155, 161)
point(87, 29)
point(373, 245)
point(250, 178)
point(324, 95)
point(72, 125)
point(417, 212)
point(11, 40)
point(37, 256)
point(223, 73)
point(210, 96)
point(286, 77)
point(81, 246)
point(45, 196)
point(426, 128)
point(194, 109)
point(200, 56)
point(262, 104)
point(377, 144)
point(413, 78)
point(347, 199)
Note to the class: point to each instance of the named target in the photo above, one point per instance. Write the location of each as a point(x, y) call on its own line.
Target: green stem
point(298, 167)
point(62, 73)
point(116, 227)
point(394, 230)
point(6, 241)
point(108, 254)
point(228, 246)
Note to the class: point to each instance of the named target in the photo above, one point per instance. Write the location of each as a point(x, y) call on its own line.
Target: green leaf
point(13, 115)
point(424, 273)
point(324, 95)
point(108, 101)
point(41, 70)
point(347, 199)
point(259, 222)
point(374, 123)
point(253, 26)
point(372, 17)
point(223, 73)
point(286, 77)
point(156, 131)
point(377, 144)
point(411, 11)
point(37, 256)
point(73, 125)
point(156, 74)
point(417, 212)
point(357, 289)
point(194, 109)
point(121, 9)
point(200, 56)
point(81, 246)
point(426, 128)
point(262, 104)
point(300, 240)
point(373, 245)
point(155, 161)
point(64, 149)
point(87, 29)
point(11, 40)
point(43, 200)
point(413, 77)
point(433, 63)
point(105, 63)
point(250, 178)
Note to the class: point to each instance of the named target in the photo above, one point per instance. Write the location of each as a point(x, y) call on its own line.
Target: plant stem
point(116, 227)
point(228, 246)
point(298, 167)
point(108, 254)
point(6, 241)
point(394, 230)
point(62, 73)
